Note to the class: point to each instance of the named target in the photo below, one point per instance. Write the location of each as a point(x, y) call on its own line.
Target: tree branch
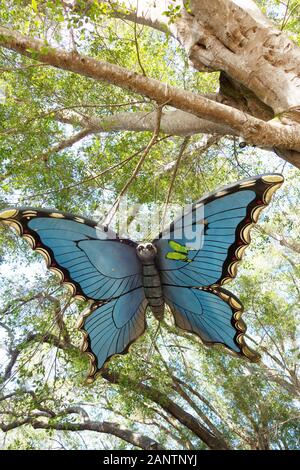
point(185, 418)
point(152, 142)
point(236, 38)
point(114, 429)
point(67, 143)
point(253, 130)
point(292, 245)
point(144, 13)
point(172, 123)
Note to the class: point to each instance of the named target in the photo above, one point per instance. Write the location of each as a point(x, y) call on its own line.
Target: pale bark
point(172, 123)
point(143, 12)
point(260, 62)
point(235, 37)
point(292, 245)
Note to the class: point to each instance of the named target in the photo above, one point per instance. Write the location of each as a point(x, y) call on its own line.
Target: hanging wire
point(153, 141)
point(177, 165)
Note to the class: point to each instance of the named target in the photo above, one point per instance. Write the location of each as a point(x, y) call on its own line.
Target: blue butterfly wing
point(95, 263)
point(214, 315)
point(98, 267)
point(112, 327)
point(226, 219)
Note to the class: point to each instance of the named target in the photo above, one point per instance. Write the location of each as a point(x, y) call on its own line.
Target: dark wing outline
point(264, 187)
point(94, 371)
point(236, 321)
point(18, 219)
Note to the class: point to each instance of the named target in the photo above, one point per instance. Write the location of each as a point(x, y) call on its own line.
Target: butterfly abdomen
point(153, 289)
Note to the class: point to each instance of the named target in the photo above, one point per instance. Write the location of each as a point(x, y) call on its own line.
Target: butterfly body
point(121, 278)
point(151, 279)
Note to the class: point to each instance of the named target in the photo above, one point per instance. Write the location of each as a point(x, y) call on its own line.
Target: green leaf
point(34, 5)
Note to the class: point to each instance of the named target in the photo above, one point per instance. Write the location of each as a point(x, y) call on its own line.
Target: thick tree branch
point(186, 396)
point(252, 129)
point(224, 35)
point(236, 38)
point(114, 429)
point(145, 13)
point(172, 123)
point(185, 418)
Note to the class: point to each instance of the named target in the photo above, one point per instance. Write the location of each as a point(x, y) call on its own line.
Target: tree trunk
point(258, 62)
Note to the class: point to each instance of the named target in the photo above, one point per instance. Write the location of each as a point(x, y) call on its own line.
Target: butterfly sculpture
point(121, 278)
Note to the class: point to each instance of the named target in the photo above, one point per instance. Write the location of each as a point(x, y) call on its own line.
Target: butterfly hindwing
point(223, 225)
point(98, 267)
point(111, 328)
point(214, 315)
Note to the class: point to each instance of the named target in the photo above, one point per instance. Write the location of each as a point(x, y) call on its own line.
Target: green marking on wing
point(178, 247)
point(178, 256)
point(180, 252)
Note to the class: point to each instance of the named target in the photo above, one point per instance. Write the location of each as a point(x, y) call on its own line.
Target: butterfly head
point(146, 251)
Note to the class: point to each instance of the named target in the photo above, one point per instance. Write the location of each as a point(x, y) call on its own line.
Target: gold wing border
point(18, 219)
point(264, 187)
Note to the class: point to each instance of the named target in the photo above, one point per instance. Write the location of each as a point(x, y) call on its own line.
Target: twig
point(137, 44)
point(94, 177)
point(181, 152)
point(64, 144)
point(152, 142)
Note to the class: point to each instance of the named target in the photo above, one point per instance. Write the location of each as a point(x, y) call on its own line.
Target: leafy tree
point(163, 103)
